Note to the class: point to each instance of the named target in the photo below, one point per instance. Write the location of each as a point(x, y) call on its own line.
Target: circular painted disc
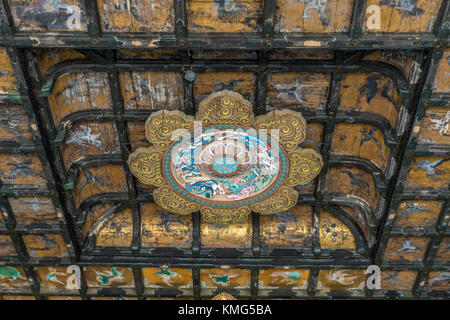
point(225, 166)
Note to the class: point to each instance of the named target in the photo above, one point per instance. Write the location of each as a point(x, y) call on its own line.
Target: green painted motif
point(10, 273)
point(105, 278)
point(167, 276)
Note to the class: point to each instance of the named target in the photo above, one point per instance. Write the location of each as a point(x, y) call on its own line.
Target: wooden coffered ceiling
point(75, 96)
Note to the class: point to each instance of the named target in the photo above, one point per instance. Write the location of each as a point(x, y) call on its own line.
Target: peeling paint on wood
point(160, 228)
point(136, 16)
point(47, 58)
point(436, 126)
point(6, 247)
point(118, 232)
point(79, 91)
point(226, 236)
point(33, 210)
point(49, 15)
point(292, 229)
point(351, 281)
point(21, 169)
point(209, 82)
point(442, 80)
point(406, 249)
point(152, 90)
point(88, 139)
point(97, 180)
point(45, 245)
point(443, 253)
point(405, 15)
point(418, 213)
point(334, 234)
point(360, 140)
point(224, 15)
point(429, 172)
point(14, 124)
point(297, 90)
point(7, 78)
point(367, 92)
point(397, 280)
point(352, 181)
point(320, 16)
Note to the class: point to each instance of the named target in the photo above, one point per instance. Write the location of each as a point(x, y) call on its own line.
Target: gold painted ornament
point(225, 162)
point(223, 296)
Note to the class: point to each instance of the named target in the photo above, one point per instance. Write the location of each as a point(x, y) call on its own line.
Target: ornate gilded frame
point(226, 108)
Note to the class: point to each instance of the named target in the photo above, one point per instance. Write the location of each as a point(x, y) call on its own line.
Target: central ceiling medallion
point(225, 162)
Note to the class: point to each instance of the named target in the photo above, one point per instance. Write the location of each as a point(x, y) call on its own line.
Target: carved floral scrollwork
point(225, 107)
point(281, 201)
point(290, 124)
point(145, 164)
point(225, 215)
point(304, 166)
point(166, 198)
point(161, 125)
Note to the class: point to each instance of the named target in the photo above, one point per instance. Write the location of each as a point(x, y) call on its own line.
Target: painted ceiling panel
point(75, 222)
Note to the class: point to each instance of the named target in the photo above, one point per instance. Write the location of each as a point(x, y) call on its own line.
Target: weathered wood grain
point(152, 90)
point(47, 58)
point(97, 180)
point(442, 80)
point(330, 16)
point(418, 213)
point(7, 78)
point(136, 16)
point(350, 280)
point(401, 59)
point(33, 210)
point(334, 234)
point(222, 16)
point(297, 90)
point(435, 126)
point(22, 169)
point(429, 172)
point(209, 82)
point(160, 228)
point(361, 140)
point(443, 254)
point(48, 15)
point(404, 16)
point(368, 92)
point(397, 280)
point(406, 249)
point(301, 54)
point(292, 229)
point(352, 181)
point(237, 235)
point(88, 139)
point(78, 92)
point(45, 245)
point(15, 124)
point(118, 232)
point(7, 246)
